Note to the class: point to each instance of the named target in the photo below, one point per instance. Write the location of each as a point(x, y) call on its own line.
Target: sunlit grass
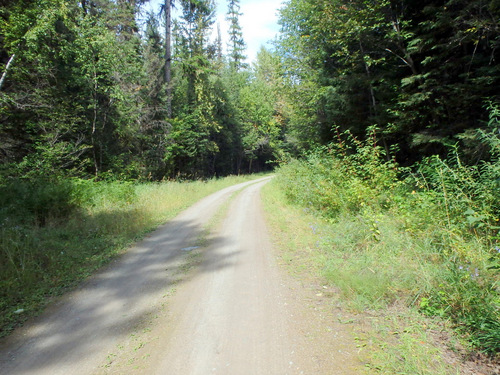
point(390, 240)
point(40, 261)
point(377, 272)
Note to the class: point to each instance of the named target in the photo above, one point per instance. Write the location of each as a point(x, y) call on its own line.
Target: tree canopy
point(83, 92)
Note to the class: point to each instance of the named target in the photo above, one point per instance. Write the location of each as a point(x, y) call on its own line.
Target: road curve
point(76, 334)
point(176, 305)
point(231, 317)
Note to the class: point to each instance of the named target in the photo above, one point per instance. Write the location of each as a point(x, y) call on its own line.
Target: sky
point(259, 22)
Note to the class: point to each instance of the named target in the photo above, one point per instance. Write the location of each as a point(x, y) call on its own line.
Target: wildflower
point(460, 267)
point(497, 249)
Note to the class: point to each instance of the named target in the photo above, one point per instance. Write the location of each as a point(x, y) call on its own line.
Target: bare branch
point(4, 75)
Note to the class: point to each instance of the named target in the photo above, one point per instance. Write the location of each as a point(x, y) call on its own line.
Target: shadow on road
point(112, 303)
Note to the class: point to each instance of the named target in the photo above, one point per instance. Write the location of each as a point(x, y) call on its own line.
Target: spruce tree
point(168, 54)
point(236, 43)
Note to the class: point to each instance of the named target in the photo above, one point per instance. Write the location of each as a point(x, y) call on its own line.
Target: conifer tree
point(168, 54)
point(236, 43)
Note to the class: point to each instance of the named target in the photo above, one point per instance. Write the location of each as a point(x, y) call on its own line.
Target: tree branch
point(4, 75)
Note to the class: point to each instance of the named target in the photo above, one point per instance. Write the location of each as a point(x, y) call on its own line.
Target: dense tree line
point(86, 90)
point(84, 93)
point(425, 72)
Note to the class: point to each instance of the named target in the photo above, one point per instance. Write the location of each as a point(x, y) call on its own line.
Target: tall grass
point(429, 240)
point(54, 233)
point(389, 338)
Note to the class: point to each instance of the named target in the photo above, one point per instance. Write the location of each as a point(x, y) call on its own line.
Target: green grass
point(404, 344)
point(430, 242)
point(372, 278)
point(54, 235)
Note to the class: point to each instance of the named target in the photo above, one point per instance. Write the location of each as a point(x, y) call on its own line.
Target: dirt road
point(183, 301)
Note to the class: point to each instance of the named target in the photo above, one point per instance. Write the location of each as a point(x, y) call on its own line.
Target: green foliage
point(372, 276)
point(189, 149)
point(237, 43)
point(34, 202)
point(336, 179)
point(260, 127)
point(421, 71)
point(429, 241)
point(470, 195)
point(472, 302)
point(70, 91)
point(86, 96)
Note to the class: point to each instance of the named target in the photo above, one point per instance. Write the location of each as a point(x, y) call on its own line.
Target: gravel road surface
point(203, 294)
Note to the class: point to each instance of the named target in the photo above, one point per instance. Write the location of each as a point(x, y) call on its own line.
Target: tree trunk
point(168, 55)
point(93, 135)
point(372, 99)
point(4, 75)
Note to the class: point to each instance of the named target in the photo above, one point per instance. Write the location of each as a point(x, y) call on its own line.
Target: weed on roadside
point(427, 242)
point(391, 339)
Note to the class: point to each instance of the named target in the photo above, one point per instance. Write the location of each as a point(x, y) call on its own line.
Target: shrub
point(427, 239)
point(37, 200)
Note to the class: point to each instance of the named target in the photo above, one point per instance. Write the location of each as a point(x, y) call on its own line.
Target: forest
point(85, 94)
point(392, 93)
point(86, 90)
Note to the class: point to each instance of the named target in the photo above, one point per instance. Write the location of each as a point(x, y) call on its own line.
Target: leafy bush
point(470, 195)
point(38, 200)
point(468, 294)
point(429, 239)
point(338, 178)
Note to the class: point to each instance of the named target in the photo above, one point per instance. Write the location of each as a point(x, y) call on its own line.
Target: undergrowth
point(427, 237)
point(389, 339)
point(56, 232)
